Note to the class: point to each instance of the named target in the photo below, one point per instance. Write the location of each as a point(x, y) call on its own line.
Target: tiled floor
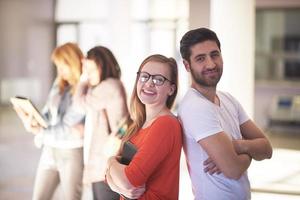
point(275, 179)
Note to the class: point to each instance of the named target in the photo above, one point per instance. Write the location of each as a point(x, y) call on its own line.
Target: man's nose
point(210, 63)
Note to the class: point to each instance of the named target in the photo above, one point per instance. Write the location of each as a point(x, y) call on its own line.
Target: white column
point(234, 23)
point(199, 13)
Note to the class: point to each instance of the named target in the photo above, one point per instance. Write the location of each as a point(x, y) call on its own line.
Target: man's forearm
point(242, 163)
point(258, 148)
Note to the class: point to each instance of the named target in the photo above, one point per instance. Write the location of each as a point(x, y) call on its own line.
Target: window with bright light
point(132, 29)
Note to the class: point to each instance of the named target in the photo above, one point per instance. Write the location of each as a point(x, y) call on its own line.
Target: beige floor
point(275, 179)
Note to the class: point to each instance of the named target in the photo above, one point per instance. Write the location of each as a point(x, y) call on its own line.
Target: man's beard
point(206, 82)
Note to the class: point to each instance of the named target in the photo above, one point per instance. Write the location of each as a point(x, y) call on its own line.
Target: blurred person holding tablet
point(62, 154)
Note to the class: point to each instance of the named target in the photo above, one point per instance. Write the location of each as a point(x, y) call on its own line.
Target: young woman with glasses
point(153, 172)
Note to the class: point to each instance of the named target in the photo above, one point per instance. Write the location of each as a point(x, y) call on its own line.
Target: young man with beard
point(220, 140)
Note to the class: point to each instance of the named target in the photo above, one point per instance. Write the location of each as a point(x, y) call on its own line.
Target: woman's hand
point(111, 160)
point(132, 193)
point(84, 74)
point(115, 178)
point(78, 129)
point(30, 124)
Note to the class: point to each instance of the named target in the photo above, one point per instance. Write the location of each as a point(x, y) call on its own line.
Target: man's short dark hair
point(193, 37)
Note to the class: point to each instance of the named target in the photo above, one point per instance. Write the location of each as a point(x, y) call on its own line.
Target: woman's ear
point(172, 90)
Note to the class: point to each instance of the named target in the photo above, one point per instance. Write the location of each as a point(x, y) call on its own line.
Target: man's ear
point(186, 65)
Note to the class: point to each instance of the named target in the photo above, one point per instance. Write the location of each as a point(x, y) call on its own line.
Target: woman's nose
point(150, 82)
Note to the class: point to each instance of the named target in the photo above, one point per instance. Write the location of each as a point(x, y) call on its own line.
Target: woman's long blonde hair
point(137, 108)
point(71, 55)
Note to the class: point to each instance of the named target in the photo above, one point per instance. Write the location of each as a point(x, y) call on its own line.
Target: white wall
point(27, 39)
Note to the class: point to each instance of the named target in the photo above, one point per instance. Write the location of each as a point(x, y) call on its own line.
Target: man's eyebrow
point(200, 55)
point(215, 51)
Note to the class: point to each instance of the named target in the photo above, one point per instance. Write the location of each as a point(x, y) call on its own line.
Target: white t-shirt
point(201, 118)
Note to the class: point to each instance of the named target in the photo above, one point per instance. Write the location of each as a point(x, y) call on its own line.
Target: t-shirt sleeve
point(243, 117)
point(160, 139)
point(199, 119)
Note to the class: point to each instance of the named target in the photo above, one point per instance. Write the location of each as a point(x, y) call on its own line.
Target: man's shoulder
point(228, 99)
point(193, 100)
point(226, 95)
point(191, 96)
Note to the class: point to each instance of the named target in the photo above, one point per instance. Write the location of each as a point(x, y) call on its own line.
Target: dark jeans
point(102, 191)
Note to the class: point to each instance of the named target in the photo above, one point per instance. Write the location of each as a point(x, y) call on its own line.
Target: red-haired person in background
point(61, 161)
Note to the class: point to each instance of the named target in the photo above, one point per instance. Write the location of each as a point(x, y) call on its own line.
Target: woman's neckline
point(156, 118)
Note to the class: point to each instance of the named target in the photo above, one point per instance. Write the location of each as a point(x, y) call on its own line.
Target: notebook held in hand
point(28, 107)
point(129, 150)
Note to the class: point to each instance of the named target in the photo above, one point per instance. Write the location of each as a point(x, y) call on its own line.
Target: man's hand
point(211, 167)
point(239, 146)
point(254, 142)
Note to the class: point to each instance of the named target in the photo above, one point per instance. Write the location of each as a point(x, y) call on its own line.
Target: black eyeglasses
point(157, 79)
